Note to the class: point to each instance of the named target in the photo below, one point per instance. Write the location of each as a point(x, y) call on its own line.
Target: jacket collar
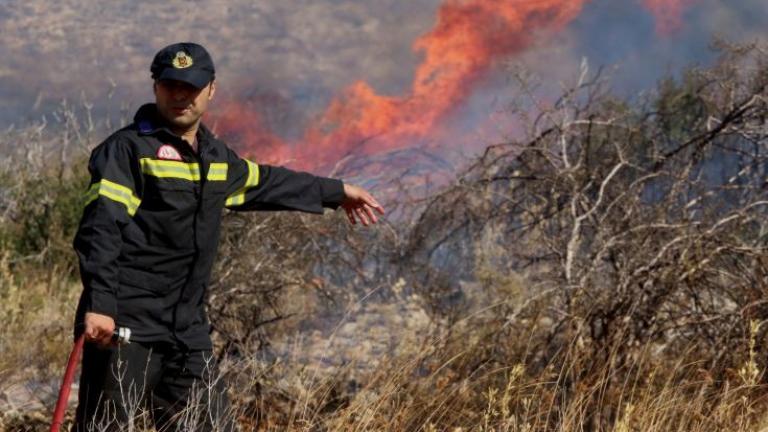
point(149, 122)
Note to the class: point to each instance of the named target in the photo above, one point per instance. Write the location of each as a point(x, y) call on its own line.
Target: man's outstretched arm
point(265, 187)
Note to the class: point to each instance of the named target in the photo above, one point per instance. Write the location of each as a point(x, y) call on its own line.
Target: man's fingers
point(377, 206)
point(98, 328)
point(98, 337)
point(371, 201)
point(369, 212)
point(361, 205)
point(91, 333)
point(361, 215)
point(363, 212)
point(350, 216)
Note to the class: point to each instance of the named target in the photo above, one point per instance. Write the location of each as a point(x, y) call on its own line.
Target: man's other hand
point(360, 205)
point(99, 328)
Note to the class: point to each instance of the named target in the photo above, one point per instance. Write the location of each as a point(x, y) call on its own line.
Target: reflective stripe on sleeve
point(217, 172)
point(238, 198)
point(114, 191)
point(170, 169)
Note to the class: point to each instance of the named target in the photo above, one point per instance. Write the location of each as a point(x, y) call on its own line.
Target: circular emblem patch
point(182, 60)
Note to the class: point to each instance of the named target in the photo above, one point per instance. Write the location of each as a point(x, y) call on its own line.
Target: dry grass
point(438, 380)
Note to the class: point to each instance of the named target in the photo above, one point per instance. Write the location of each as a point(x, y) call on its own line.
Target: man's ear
point(154, 87)
point(211, 90)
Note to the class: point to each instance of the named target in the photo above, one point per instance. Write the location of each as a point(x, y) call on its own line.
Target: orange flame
point(668, 13)
point(468, 36)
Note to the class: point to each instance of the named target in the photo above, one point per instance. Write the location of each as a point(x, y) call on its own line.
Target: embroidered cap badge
point(182, 60)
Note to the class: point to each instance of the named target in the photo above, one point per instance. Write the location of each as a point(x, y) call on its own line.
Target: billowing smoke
point(668, 13)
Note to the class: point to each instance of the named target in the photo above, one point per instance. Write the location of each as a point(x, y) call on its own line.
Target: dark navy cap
point(186, 61)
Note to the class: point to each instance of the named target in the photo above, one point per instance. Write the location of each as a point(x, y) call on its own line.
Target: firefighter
point(146, 244)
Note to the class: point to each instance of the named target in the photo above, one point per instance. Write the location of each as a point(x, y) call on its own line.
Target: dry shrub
point(638, 230)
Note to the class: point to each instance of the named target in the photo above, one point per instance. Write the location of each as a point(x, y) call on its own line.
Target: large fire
point(466, 39)
point(469, 35)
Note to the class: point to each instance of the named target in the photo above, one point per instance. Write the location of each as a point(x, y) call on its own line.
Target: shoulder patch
point(168, 152)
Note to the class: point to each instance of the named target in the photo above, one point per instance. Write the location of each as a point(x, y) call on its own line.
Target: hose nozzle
point(122, 336)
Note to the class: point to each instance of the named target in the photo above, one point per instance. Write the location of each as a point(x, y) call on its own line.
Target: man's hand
point(359, 204)
point(99, 328)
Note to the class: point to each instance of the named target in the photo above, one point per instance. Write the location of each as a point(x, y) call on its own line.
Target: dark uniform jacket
point(149, 232)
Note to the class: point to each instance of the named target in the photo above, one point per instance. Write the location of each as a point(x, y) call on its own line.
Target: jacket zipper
point(199, 201)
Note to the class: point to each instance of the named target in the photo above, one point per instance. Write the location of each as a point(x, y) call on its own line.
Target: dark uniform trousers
point(179, 389)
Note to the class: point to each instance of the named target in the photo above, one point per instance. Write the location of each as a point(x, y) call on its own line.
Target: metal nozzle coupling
point(122, 336)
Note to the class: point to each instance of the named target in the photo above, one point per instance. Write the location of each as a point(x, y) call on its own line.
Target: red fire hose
point(121, 335)
point(66, 384)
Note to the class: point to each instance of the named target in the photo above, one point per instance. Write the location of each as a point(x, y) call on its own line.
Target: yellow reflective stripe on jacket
point(115, 192)
point(170, 169)
point(252, 181)
point(182, 170)
point(217, 172)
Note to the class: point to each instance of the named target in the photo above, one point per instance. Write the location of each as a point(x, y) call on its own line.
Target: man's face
point(182, 104)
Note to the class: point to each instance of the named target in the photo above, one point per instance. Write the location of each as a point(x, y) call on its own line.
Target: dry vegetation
point(606, 271)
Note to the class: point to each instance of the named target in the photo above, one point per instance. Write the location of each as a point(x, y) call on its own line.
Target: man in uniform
point(147, 241)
